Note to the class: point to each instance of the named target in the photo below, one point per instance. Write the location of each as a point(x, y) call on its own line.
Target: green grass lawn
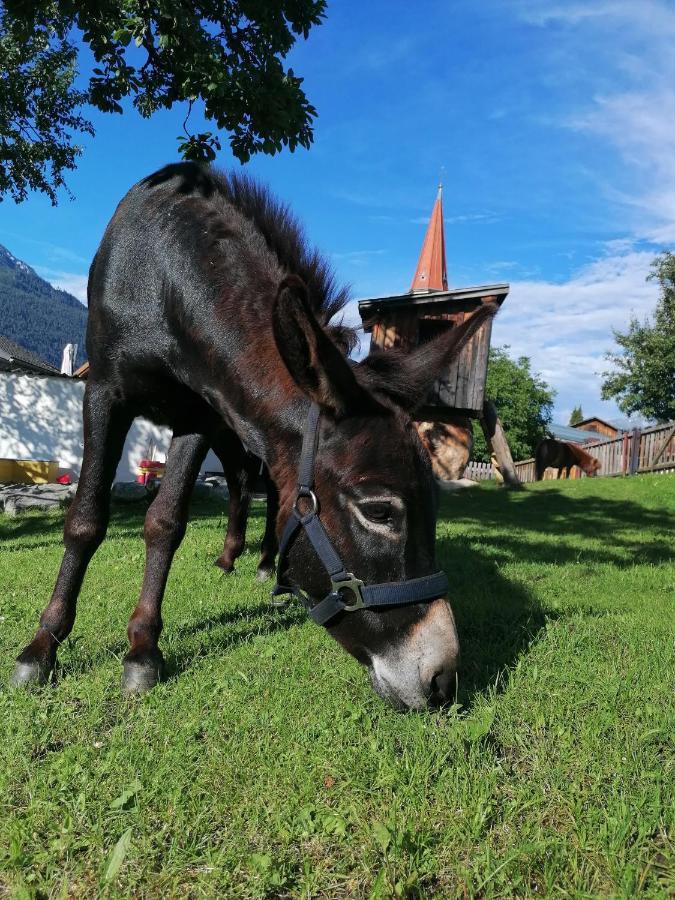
point(265, 765)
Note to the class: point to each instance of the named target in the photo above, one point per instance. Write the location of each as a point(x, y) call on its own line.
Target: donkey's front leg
point(165, 524)
point(105, 428)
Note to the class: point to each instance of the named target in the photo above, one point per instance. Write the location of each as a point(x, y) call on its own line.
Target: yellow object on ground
point(28, 471)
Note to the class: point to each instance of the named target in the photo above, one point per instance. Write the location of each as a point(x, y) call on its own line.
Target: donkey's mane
point(286, 238)
point(279, 228)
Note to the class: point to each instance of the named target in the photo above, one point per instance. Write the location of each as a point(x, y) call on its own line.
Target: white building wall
point(41, 419)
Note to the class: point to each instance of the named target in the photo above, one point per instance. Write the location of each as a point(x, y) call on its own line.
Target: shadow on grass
point(497, 619)
point(240, 626)
point(548, 526)
point(215, 635)
point(126, 521)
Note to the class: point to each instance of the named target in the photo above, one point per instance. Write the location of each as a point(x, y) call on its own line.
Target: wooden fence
point(479, 471)
point(637, 451)
point(640, 450)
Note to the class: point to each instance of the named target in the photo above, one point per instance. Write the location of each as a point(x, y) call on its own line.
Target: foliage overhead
point(643, 378)
point(524, 403)
point(227, 56)
point(577, 415)
point(38, 112)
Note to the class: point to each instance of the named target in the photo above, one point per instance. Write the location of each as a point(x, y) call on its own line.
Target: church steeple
point(431, 273)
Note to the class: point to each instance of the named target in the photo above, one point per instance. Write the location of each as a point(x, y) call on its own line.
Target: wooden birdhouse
point(426, 310)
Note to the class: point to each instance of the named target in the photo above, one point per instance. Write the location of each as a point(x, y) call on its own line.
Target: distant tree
point(524, 402)
point(226, 55)
point(576, 416)
point(643, 378)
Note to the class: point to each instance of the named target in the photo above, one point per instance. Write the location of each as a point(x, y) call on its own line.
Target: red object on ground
point(148, 469)
point(64, 479)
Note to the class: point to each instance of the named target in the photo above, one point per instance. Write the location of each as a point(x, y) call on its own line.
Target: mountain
point(36, 315)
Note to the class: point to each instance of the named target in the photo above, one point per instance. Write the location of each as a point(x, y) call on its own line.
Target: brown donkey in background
point(208, 314)
point(562, 456)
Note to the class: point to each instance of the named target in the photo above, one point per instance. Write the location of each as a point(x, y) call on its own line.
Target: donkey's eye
point(377, 511)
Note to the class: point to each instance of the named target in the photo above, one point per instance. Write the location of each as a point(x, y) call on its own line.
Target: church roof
point(431, 273)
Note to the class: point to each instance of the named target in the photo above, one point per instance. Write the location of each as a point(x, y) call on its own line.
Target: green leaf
point(127, 795)
point(382, 835)
point(478, 727)
point(379, 886)
point(117, 856)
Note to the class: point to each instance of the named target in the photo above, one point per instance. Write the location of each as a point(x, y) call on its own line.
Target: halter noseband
point(391, 593)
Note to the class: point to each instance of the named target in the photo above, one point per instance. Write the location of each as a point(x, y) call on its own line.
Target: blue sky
point(552, 124)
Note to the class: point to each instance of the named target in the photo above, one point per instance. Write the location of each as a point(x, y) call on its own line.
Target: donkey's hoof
point(226, 568)
point(26, 674)
point(139, 678)
point(264, 573)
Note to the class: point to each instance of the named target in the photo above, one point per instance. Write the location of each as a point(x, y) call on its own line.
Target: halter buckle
point(350, 583)
point(308, 494)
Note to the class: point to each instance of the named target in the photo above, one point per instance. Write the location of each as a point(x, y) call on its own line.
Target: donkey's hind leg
point(269, 545)
point(240, 470)
point(106, 423)
point(165, 524)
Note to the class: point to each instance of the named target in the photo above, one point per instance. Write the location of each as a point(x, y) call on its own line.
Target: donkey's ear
point(315, 363)
point(407, 378)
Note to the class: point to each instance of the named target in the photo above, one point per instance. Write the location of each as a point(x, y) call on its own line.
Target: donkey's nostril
point(442, 687)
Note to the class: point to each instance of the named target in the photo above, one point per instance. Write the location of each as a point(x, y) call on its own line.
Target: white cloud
point(73, 282)
point(464, 219)
point(630, 46)
point(641, 126)
point(357, 257)
point(566, 328)
point(650, 16)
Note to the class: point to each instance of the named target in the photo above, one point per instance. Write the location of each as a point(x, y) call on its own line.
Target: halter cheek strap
point(347, 593)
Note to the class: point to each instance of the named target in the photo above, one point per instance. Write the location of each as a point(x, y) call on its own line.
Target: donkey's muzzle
point(421, 669)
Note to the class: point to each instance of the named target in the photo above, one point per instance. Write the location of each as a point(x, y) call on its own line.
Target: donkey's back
point(175, 245)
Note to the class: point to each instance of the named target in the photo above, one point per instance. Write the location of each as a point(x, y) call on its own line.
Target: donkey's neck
point(269, 421)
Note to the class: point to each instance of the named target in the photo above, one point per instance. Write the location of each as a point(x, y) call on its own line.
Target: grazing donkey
point(562, 456)
point(209, 314)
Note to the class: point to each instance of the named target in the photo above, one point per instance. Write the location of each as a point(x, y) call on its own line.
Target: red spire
point(431, 273)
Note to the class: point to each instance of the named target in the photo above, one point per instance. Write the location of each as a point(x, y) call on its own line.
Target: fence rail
point(637, 451)
point(479, 471)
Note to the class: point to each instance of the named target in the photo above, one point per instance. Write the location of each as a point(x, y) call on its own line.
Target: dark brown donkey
point(242, 471)
point(208, 314)
point(562, 456)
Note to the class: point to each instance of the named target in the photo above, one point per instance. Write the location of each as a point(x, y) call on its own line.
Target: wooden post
point(624, 452)
point(635, 451)
point(497, 443)
point(662, 449)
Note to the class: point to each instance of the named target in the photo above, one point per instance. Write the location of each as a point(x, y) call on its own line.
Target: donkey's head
point(591, 466)
point(587, 463)
point(376, 496)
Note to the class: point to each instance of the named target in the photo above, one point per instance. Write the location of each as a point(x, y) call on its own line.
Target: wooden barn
point(599, 426)
point(426, 310)
point(411, 319)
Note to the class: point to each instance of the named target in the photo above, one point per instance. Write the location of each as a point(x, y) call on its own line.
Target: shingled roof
point(14, 358)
